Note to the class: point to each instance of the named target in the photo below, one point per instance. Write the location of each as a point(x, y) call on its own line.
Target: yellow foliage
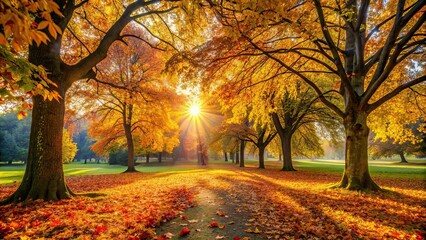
point(69, 148)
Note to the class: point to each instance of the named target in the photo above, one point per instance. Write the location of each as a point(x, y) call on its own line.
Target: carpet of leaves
point(280, 205)
point(130, 208)
point(299, 205)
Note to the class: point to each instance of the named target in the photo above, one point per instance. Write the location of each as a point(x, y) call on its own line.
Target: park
point(183, 119)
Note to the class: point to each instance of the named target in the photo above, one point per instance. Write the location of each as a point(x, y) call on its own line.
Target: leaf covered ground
point(226, 203)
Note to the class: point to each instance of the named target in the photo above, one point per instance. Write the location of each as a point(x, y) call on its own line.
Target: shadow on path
point(212, 205)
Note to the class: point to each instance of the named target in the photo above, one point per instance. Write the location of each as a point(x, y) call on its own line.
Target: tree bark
point(225, 155)
point(242, 147)
point(262, 157)
point(285, 134)
point(356, 175)
point(237, 157)
point(44, 176)
point(286, 146)
point(401, 155)
point(130, 149)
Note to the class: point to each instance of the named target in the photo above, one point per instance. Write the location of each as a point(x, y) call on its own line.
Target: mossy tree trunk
point(356, 175)
point(44, 176)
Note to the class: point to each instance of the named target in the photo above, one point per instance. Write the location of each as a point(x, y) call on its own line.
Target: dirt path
point(212, 206)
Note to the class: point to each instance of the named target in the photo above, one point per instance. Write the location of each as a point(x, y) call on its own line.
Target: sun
point(195, 110)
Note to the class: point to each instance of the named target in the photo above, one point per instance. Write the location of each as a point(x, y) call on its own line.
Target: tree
point(139, 106)
point(388, 147)
point(44, 178)
point(297, 112)
point(337, 51)
point(259, 135)
point(69, 148)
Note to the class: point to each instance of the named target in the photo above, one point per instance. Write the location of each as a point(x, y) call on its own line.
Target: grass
point(416, 169)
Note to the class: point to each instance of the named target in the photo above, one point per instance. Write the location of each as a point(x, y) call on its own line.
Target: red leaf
point(100, 229)
point(184, 232)
point(237, 238)
point(184, 217)
point(90, 209)
point(35, 224)
point(214, 224)
point(55, 223)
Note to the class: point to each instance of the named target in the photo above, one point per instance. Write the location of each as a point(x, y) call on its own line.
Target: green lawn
point(416, 169)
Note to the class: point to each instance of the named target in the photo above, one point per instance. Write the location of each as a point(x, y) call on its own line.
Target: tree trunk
point(130, 149)
point(401, 155)
point(285, 132)
point(44, 176)
point(242, 147)
point(147, 158)
point(356, 175)
point(286, 146)
point(262, 157)
point(280, 157)
point(237, 157)
point(226, 156)
point(160, 156)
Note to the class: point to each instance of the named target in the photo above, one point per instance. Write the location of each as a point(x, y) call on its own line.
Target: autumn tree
point(296, 112)
point(137, 108)
point(69, 148)
point(361, 53)
point(388, 147)
point(259, 136)
point(67, 62)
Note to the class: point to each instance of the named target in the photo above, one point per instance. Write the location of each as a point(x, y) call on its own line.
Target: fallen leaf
point(219, 237)
point(193, 221)
point(213, 225)
point(168, 235)
point(184, 232)
point(221, 214)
